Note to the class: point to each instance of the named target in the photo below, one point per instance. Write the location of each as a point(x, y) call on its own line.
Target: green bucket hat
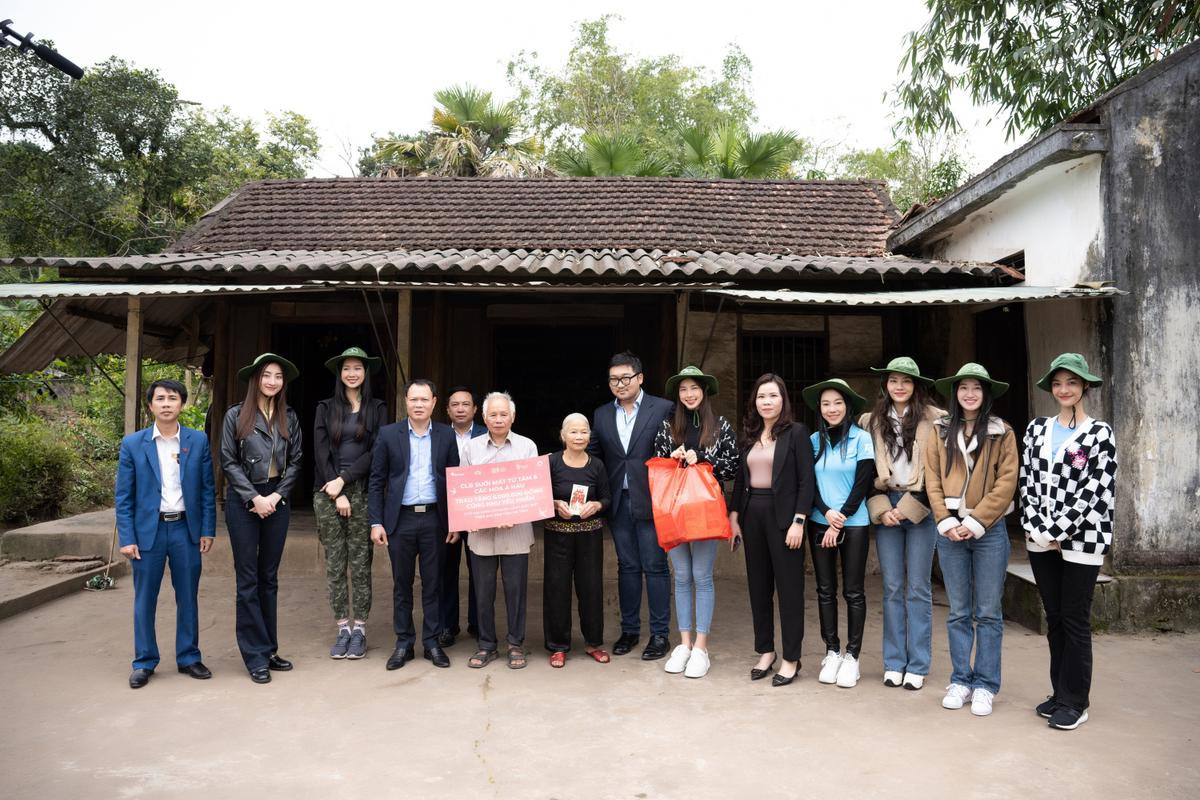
point(905, 366)
point(945, 386)
point(812, 395)
point(334, 364)
point(290, 373)
point(709, 383)
point(1071, 362)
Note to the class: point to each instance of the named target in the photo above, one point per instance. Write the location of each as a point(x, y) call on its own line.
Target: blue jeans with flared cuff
point(974, 573)
point(692, 563)
point(906, 562)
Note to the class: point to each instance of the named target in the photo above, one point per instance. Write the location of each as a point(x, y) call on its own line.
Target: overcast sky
point(358, 68)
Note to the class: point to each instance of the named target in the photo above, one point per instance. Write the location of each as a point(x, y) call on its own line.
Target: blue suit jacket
point(389, 472)
point(139, 487)
point(606, 445)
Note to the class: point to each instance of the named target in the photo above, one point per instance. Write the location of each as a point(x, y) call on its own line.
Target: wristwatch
point(798, 519)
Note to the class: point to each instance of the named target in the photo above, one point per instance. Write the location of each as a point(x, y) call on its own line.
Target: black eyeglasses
point(622, 380)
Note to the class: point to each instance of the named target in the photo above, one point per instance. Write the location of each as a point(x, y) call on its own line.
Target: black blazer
point(606, 445)
point(792, 477)
point(389, 472)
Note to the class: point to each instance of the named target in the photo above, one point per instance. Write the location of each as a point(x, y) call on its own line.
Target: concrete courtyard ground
point(71, 727)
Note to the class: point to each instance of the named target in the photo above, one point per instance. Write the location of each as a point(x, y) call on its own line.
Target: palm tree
point(731, 152)
point(471, 136)
point(609, 154)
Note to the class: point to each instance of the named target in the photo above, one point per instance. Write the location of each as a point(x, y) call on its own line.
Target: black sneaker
point(341, 644)
point(1046, 708)
point(358, 644)
point(1066, 718)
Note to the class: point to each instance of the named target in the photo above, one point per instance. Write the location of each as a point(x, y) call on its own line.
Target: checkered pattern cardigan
point(1068, 497)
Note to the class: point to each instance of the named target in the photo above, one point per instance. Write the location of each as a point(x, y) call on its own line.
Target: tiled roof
point(566, 264)
point(847, 218)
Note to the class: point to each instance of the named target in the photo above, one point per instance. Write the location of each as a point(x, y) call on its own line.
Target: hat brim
point(710, 384)
point(812, 396)
point(1047, 380)
point(945, 386)
point(334, 364)
point(290, 372)
point(913, 375)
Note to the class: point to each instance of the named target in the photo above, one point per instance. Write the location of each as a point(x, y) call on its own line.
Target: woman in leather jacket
point(260, 456)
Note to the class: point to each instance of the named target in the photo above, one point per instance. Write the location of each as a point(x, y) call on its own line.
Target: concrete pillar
point(133, 365)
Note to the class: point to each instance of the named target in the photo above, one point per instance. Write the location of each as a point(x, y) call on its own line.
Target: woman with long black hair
point(1068, 469)
point(970, 478)
point(844, 465)
point(344, 432)
point(772, 498)
point(905, 535)
point(260, 456)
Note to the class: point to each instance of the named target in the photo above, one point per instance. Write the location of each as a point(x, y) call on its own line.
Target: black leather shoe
point(779, 680)
point(278, 664)
point(438, 656)
point(624, 644)
point(446, 639)
point(757, 674)
point(196, 670)
point(400, 656)
point(260, 675)
point(656, 648)
point(139, 678)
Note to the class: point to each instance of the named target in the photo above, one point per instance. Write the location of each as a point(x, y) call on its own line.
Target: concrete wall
point(1151, 190)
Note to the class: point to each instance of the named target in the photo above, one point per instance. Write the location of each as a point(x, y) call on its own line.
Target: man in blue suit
point(406, 505)
point(166, 510)
point(460, 408)
point(623, 434)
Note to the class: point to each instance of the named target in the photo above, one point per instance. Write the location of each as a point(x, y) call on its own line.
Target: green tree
point(609, 155)
point(729, 151)
point(472, 135)
point(605, 91)
point(916, 172)
point(1038, 61)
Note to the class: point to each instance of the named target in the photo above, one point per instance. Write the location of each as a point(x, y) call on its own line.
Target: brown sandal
point(516, 658)
point(482, 658)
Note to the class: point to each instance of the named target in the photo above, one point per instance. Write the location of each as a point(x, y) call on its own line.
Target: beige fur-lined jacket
point(989, 495)
point(880, 504)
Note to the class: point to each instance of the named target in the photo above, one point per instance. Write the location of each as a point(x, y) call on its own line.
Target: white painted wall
point(1054, 215)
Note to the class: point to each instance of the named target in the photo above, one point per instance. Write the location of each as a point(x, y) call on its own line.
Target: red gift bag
point(688, 503)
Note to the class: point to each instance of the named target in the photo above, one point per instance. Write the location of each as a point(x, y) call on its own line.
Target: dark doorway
point(1000, 347)
point(308, 347)
point(550, 371)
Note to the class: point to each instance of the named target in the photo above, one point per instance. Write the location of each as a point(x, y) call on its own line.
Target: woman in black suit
point(772, 495)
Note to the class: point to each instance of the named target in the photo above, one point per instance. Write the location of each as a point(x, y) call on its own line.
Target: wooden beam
point(133, 365)
point(403, 347)
point(157, 331)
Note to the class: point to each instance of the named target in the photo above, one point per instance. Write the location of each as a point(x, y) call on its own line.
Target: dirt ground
point(71, 727)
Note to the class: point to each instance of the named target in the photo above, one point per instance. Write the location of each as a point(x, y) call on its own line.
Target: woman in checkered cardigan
point(1067, 476)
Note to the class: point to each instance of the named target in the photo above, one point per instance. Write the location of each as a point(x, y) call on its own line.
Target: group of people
point(923, 478)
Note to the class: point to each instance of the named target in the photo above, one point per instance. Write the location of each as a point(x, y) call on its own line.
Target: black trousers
point(418, 537)
point(1066, 589)
point(772, 568)
point(257, 549)
point(449, 602)
point(578, 556)
point(853, 551)
point(514, 570)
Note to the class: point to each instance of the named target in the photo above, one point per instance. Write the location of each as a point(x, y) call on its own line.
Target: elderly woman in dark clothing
point(574, 540)
point(343, 434)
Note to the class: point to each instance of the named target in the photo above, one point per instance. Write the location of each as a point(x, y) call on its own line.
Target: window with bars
point(799, 358)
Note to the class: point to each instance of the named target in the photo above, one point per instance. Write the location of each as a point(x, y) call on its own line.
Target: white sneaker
point(981, 702)
point(678, 660)
point(891, 678)
point(829, 667)
point(956, 695)
point(697, 664)
point(912, 681)
point(848, 674)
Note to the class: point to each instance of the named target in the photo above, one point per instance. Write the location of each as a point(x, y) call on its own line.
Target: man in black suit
point(407, 508)
point(623, 438)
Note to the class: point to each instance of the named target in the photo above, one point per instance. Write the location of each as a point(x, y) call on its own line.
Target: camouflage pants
point(347, 543)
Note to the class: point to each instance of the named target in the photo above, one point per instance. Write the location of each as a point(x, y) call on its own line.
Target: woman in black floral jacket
point(695, 433)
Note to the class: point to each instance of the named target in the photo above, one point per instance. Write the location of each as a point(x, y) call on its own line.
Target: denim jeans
point(638, 554)
point(693, 566)
point(906, 560)
point(974, 573)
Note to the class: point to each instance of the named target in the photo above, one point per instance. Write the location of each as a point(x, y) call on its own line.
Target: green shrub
point(36, 471)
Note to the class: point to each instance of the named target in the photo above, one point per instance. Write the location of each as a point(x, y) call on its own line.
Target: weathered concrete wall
point(1151, 187)
point(1054, 327)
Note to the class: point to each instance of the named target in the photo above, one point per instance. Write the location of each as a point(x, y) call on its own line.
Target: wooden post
point(403, 347)
point(133, 365)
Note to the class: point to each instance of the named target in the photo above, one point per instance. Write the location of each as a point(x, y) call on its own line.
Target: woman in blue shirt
point(845, 468)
